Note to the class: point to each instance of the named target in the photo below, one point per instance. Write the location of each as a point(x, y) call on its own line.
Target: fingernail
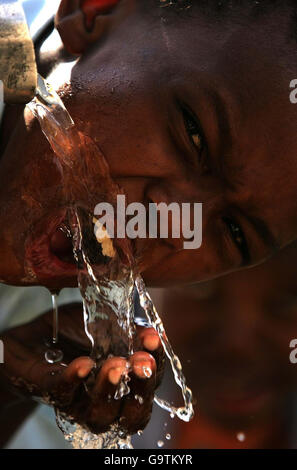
point(83, 372)
point(115, 374)
point(151, 342)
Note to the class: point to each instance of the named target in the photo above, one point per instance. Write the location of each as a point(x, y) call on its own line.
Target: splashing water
point(186, 412)
point(77, 436)
point(106, 271)
point(106, 302)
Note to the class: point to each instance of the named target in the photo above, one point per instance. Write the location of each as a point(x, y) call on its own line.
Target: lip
point(48, 268)
point(52, 270)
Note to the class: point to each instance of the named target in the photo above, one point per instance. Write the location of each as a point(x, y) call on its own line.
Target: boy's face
point(236, 154)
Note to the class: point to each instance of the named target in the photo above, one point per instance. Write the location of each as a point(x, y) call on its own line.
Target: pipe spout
point(18, 70)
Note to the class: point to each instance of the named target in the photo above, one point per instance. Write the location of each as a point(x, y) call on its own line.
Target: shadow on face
point(233, 336)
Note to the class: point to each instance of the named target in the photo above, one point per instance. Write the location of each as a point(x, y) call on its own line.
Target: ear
point(83, 22)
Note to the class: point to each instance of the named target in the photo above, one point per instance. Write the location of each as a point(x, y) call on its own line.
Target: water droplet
point(123, 388)
point(54, 372)
point(140, 432)
point(139, 399)
point(160, 443)
point(168, 436)
point(53, 356)
point(147, 372)
point(172, 415)
point(240, 437)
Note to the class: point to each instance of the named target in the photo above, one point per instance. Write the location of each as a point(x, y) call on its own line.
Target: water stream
point(107, 275)
point(53, 354)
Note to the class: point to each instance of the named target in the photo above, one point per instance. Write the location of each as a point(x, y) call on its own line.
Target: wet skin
point(237, 338)
point(76, 386)
point(234, 149)
point(237, 155)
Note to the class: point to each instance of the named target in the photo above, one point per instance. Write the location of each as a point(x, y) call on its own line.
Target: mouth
point(50, 255)
point(49, 252)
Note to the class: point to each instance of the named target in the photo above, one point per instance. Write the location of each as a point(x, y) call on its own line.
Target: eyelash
point(238, 237)
point(194, 131)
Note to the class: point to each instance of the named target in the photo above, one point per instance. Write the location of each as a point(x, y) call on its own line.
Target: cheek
point(127, 115)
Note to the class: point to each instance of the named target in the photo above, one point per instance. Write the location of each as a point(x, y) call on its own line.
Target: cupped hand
point(77, 386)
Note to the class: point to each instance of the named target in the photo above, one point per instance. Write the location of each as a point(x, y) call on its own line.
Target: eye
point(238, 237)
point(193, 129)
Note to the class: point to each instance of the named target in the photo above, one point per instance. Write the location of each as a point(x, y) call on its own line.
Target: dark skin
point(139, 74)
point(243, 170)
point(14, 410)
point(64, 384)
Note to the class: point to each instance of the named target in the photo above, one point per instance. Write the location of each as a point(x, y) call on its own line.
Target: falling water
point(53, 354)
point(55, 318)
point(185, 412)
point(106, 287)
point(106, 302)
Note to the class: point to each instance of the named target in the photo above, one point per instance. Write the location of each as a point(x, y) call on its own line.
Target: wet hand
point(77, 386)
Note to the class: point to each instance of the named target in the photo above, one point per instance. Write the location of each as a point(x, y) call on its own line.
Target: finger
point(60, 382)
point(105, 408)
point(67, 7)
point(137, 407)
point(92, 8)
point(149, 340)
point(143, 365)
point(78, 369)
point(110, 375)
point(77, 28)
